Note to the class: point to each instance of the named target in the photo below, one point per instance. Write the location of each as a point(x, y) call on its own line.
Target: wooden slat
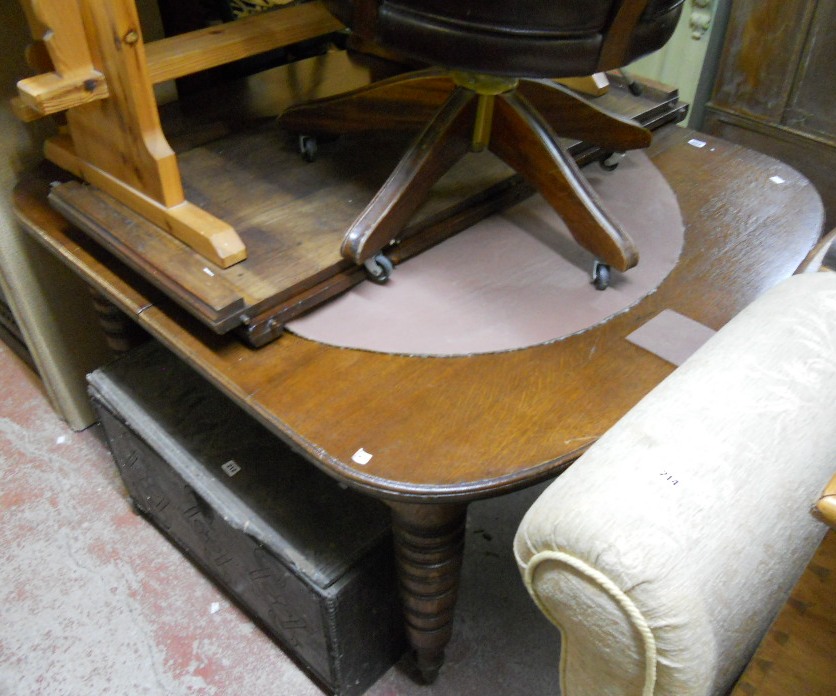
point(185, 54)
point(51, 93)
point(210, 237)
point(74, 80)
point(101, 216)
point(176, 56)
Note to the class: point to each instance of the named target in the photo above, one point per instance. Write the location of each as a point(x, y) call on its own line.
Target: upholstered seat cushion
point(665, 551)
point(517, 38)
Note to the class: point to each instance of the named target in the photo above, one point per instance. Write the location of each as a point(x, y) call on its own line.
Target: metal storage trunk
point(311, 562)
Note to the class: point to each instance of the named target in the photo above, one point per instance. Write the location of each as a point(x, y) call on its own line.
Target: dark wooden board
point(292, 215)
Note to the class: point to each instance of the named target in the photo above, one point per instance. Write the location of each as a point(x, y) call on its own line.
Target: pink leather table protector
point(672, 336)
point(497, 287)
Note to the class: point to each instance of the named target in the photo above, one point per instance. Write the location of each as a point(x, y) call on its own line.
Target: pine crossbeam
point(51, 93)
point(185, 54)
point(91, 54)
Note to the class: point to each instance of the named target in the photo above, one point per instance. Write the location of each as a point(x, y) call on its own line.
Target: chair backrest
point(523, 38)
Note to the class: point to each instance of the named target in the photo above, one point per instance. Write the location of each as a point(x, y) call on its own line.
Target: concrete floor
point(93, 600)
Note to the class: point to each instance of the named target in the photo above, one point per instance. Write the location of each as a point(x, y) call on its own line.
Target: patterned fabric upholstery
point(665, 551)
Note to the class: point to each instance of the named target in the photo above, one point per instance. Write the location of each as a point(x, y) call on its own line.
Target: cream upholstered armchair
point(664, 553)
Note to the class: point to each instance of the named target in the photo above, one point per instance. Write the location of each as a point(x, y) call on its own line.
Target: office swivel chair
point(494, 91)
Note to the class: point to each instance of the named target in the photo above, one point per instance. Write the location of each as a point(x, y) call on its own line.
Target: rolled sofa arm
point(666, 550)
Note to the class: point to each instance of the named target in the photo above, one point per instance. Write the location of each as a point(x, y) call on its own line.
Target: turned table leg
point(120, 332)
point(429, 546)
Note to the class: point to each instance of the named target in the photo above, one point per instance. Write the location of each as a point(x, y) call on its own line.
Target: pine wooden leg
point(429, 547)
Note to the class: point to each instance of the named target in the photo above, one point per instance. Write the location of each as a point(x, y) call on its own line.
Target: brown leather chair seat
point(526, 38)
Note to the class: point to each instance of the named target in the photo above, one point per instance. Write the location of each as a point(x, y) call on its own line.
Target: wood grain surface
point(797, 654)
point(241, 167)
point(438, 432)
point(455, 429)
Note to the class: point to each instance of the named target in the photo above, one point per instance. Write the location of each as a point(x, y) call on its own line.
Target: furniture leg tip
point(428, 665)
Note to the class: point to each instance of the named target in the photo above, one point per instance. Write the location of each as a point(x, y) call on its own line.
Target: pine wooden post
point(102, 76)
point(114, 138)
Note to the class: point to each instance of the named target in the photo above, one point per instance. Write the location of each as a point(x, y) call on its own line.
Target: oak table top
point(447, 430)
point(460, 428)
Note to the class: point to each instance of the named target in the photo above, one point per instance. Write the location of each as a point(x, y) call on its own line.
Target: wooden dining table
point(445, 431)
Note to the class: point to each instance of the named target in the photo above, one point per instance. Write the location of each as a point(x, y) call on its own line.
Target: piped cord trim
point(615, 592)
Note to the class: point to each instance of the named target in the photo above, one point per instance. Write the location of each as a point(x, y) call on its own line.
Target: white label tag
point(230, 468)
point(362, 457)
point(696, 143)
